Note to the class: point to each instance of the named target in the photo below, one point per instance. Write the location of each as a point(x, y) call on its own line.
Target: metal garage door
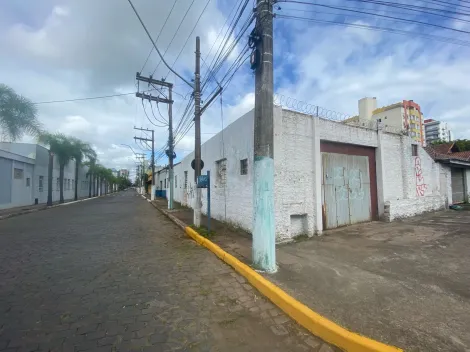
point(458, 195)
point(346, 189)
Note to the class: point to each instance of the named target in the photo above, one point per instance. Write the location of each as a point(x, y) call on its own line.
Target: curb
point(45, 207)
point(313, 322)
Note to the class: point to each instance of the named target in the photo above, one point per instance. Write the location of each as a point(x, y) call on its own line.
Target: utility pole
point(171, 143)
point(152, 195)
point(170, 151)
point(197, 124)
point(264, 239)
point(140, 157)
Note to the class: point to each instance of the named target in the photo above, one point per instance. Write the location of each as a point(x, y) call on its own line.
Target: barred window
point(244, 167)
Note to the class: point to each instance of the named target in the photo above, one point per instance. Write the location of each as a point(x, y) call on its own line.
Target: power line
point(378, 15)
point(380, 29)
point(155, 45)
point(382, 11)
point(171, 41)
point(161, 31)
point(80, 99)
point(189, 36)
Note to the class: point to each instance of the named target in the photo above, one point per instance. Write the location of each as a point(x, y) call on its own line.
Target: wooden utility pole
point(170, 151)
point(152, 163)
point(197, 128)
point(264, 239)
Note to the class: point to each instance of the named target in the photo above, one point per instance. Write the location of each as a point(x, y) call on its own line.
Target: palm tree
point(80, 150)
point(18, 115)
point(61, 146)
point(91, 174)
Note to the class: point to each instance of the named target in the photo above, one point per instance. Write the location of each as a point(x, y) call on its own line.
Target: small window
point(18, 174)
point(41, 183)
point(185, 180)
point(161, 184)
point(244, 167)
point(414, 150)
point(165, 182)
point(68, 184)
point(58, 184)
point(28, 182)
point(176, 182)
point(221, 176)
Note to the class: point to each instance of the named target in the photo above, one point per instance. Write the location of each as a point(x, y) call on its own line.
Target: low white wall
point(411, 184)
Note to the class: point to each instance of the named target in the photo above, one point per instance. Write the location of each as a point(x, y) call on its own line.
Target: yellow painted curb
point(314, 322)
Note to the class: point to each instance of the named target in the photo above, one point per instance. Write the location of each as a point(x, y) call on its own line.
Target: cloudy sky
point(53, 50)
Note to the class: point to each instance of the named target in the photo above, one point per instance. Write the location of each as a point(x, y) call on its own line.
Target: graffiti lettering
point(421, 186)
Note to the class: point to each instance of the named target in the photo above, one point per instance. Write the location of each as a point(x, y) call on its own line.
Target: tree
point(18, 115)
point(62, 147)
point(92, 168)
point(80, 151)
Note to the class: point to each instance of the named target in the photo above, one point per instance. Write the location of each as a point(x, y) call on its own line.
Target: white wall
point(411, 184)
point(295, 171)
point(297, 161)
point(232, 203)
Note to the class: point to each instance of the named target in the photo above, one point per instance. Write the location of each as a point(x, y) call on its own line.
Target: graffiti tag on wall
point(421, 185)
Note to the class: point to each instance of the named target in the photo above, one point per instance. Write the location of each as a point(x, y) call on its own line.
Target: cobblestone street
point(113, 274)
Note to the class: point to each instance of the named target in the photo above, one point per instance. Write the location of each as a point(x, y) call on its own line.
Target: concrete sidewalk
point(16, 211)
point(405, 283)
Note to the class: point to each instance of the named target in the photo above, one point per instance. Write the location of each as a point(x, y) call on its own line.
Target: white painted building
point(436, 131)
point(24, 176)
point(327, 174)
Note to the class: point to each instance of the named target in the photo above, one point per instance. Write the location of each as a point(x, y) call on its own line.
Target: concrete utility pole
point(170, 152)
point(197, 124)
point(152, 195)
point(171, 143)
point(264, 238)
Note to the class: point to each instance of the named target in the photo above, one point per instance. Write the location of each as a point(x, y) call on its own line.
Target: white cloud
point(79, 48)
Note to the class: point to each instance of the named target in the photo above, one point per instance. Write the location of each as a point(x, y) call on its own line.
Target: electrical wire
point(378, 15)
point(381, 29)
point(155, 45)
point(384, 11)
point(148, 118)
point(173, 38)
point(189, 36)
point(161, 31)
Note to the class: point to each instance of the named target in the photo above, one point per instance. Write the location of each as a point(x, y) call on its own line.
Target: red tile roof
point(444, 152)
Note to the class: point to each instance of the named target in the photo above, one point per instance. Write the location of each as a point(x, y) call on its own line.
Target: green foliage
point(60, 145)
point(203, 231)
point(18, 115)
point(439, 141)
point(462, 144)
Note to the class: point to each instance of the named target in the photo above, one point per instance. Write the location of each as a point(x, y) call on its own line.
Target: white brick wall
point(297, 179)
point(295, 169)
point(411, 185)
point(236, 198)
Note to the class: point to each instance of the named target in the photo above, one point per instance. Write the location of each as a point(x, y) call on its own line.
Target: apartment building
point(404, 115)
point(436, 130)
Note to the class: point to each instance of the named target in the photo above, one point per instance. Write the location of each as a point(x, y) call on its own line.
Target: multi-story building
point(436, 131)
point(124, 173)
point(404, 115)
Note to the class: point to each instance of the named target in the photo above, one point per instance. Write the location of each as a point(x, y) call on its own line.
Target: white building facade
point(24, 176)
point(436, 131)
point(327, 174)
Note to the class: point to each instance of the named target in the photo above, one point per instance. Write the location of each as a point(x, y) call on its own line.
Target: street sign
point(203, 181)
point(193, 164)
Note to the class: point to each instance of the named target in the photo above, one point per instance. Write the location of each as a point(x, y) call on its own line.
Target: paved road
point(113, 274)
